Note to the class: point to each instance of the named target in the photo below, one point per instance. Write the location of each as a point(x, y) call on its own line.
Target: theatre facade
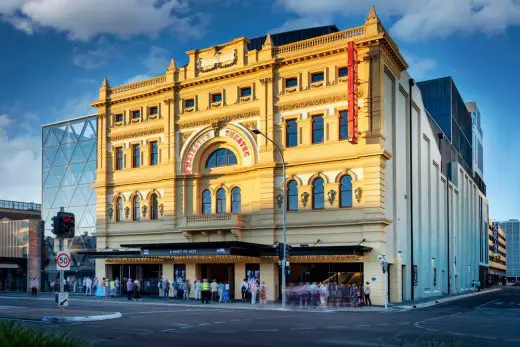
point(186, 189)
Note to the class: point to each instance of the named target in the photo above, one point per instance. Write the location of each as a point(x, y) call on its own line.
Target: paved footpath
point(489, 319)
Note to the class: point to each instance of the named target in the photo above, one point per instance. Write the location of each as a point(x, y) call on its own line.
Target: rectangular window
point(136, 156)
point(118, 118)
point(246, 91)
point(154, 153)
point(317, 129)
point(291, 136)
point(343, 72)
point(152, 111)
point(119, 158)
point(343, 125)
point(189, 103)
point(136, 114)
point(291, 82)
point(317, 77)
point(217, 97)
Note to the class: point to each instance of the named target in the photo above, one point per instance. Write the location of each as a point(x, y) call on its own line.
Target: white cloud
point(137, 78)
point(418, 20)
point(83, 20)
point(420, 68)
point(75, 106)
point(4, 120)
point(94, 58)
point(157, 60)
point(20, 167)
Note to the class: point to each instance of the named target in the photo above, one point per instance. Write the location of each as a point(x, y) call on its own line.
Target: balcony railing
point(18, 205)
point(215, 221)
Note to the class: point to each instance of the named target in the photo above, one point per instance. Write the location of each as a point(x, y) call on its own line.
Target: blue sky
point(55, 54)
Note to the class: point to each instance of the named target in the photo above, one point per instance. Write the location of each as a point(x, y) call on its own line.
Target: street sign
point(63, 299)
point(63, 261)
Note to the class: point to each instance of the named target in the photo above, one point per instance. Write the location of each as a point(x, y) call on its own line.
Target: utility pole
point(384, 267)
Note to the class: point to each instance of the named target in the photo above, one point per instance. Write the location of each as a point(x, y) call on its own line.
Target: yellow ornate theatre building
point(186, 188)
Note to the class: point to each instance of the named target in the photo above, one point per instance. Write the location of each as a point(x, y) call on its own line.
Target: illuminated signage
point(352, 62)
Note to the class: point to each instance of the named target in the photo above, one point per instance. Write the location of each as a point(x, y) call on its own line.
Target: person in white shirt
point(214, 290)
point(34, 287)
point(88, 286)
point(244, 288)
point(366, 291)
point(254, 291)
point(197, 290)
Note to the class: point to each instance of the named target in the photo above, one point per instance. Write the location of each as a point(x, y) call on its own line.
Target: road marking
point(235, 320)
point(336, 327)
point(484, 337)
point(487, 303)
point(453, 333)
point(186, 327)
point(223, 331)
point(202, 324)
point(430, 329)
point(302, 328)
point(363, 325)
point(219, 322)
point(263, 330)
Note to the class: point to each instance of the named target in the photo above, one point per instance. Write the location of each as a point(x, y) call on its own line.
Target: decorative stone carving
point(216, 127)
point(219, 60)
point(310, 103)
point(184, 138)
point(187, 235)
point(168, 101)
point(305, 198)
point(279, 200)
point(110, 212)
point(137, 134)
point(332, 196)
point(250, 125)
point(358, 194)
point(127, 212)
point(226, 118)
point(145, 209)
point(266, 80)
point(161, 209)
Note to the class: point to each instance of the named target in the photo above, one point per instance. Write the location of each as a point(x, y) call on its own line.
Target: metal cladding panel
point(352, 63)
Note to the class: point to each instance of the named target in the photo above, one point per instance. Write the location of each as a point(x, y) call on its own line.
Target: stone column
point(269, 275)
point(191, 275)
point(167, 271)
point(100, 268)
point(240, 273)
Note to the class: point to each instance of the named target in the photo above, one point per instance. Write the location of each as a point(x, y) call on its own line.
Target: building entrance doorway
point(224, 273)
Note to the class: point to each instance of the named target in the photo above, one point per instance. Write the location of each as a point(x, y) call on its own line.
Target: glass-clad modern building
point(512, 230)
point(68, 172)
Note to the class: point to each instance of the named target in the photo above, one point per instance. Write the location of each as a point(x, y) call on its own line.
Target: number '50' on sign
point(63, 261)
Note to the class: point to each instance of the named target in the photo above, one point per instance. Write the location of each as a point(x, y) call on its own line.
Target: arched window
point(221, 201)
point(154, 205)
point(221, 157)
point(136, 208)
point(235, 200)
point(345, 191)
point(119, 209)
point(318, 199)
point(206, 202)
point(292, 196)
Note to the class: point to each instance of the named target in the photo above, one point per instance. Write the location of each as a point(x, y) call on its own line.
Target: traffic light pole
point(62, 273)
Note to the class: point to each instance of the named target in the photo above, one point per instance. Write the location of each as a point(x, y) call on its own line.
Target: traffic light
point(288, 251)
point(63, 225)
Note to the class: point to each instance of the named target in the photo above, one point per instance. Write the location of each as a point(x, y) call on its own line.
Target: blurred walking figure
point(366, 291)
point(165, 288)
point(324, 294)
point(254, 292)
point(34, 287)
point(88, 286)
point(136, 288)
point(205, 291)
point(129, 288)
point(214, 290)
point(187, 289)
point(197, 290)
point(243, 288)
point(263, 293)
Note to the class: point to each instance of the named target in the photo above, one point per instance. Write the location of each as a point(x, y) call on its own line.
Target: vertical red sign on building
point(352, 64)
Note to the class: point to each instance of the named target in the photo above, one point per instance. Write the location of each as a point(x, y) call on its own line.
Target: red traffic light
point(68, 219)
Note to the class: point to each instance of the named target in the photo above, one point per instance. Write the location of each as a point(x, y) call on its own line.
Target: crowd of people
point(335, 295)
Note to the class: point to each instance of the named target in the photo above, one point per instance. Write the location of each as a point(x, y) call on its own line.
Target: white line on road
point(263, 330)
point(487, 303)
point(223, 331)
point(219, 322)
point(203, 324)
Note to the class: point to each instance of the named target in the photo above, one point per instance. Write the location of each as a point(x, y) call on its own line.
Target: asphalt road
point(490, 319)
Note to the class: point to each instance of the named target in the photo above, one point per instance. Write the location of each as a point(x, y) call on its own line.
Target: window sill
point(118, 124)
point(153, 116)
point(290, 90)
point(188, 109)
point(136, 120)
point(216, 104)
point(245, 98)
point(316, 84)
point(343, 79)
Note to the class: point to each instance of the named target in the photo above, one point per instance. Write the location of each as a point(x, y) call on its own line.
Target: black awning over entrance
point(110, 254)
point(204, 248)
point(330, 250)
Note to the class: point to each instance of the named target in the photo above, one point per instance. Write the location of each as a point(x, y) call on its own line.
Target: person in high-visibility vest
point(205, 291)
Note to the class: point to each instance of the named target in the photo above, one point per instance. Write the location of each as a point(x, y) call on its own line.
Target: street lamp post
point(284, 218)
point(384, 267)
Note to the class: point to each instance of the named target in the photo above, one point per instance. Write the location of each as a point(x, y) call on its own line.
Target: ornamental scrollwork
point(305, 198)
point(110, 212)
point(226, 118)
point(145, 209)
point(310, 103)
point(358, 194)
point(127, 212)
point(332, 196)
point(161, 209)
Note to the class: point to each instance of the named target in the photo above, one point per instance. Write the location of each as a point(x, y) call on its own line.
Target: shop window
point(318, 201)
point(343, 125)
point(206, 202)
point(236, 200)
point(221, 201)
point(136, 156)
point(317, 77)
point(317, 129)
point(291, 133)
point(345, 196)
point(292, 196)
point(342, 72)
point(119, 209)
point(154, 153)
point(291, 82)
point(246, 91)
point(221, 157)
point(119, 158)
point(154, 207)
point(136, 208)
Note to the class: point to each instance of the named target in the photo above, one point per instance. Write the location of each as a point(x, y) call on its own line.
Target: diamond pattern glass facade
point(69, 169)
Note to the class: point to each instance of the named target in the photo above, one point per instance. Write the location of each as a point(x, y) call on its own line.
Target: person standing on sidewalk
point(166, 288)
point(197, 285)
point(263, 293)
point(214, 290)
point(254, 291)
point(366, 291)
point(88, 286)
point(129, 288)
point(205, 291)
point(34, 287)
point(243, 289)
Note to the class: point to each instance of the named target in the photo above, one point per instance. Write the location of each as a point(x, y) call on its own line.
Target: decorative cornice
point(313, 102)
point(168, 101)
point(136, 134)
point(266, 80)
point(224, 118)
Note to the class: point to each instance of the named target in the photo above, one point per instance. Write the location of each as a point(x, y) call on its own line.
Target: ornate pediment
point(218, 60)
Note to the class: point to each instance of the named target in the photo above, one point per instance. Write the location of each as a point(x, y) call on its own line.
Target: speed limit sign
point(63, 261)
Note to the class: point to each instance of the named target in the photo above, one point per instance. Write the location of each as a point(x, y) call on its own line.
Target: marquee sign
point(352, 63)
point(184, 252)
point(239, 140)
point(495, 239)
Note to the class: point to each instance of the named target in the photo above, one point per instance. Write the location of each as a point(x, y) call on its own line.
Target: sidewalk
point(156, 301)
point(54, 314)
